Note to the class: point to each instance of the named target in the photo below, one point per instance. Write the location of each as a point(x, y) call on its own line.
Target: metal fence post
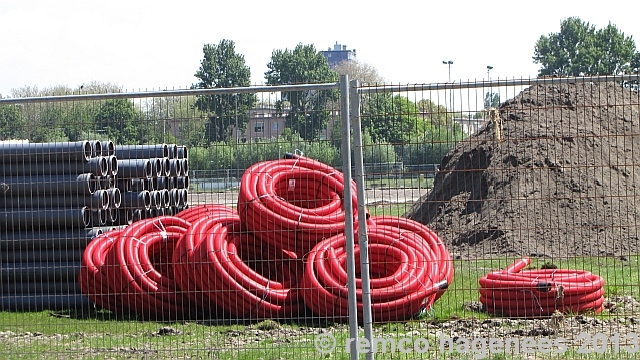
point(345, 153)
point(363, 238)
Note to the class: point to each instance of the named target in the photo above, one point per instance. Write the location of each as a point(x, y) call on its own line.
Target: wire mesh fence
point(500, 220)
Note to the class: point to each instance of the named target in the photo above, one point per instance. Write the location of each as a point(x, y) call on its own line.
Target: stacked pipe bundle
point(52, 204)
point(154, 179)
point(280, 254)
point(55, 197)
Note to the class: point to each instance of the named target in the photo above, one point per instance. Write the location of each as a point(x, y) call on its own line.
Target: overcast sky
point(144, 45)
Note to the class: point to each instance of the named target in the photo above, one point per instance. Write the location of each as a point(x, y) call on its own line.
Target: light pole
point(448, 63)
point(489, 67)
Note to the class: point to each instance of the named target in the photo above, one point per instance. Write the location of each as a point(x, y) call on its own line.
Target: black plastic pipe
point(165, 183)
point(45, 219)
point(43, 256)
point(182, 152)
point(134, 168)
point(139, 184)
point(173, 151)
point(51, 288)
point(175, 167)
point(174, 195)
point(45, 152)
point(165, 198)
point(39, 272)
point(108, 148)
point(125, 217)
point(136, 200)
point(166, 167)
point(138, 214)
point(182, 199)
point(156, 167)
point(112, 216)
point(98, 218)
point(98, 166)
point(115, 197)
point(42, 185)
point(156, 199)
point(182, 182)
point(98, 200)
point(124, 184)
point(36, 240)
point(142, 151)
point(184, 167)
point(96, 148)
point(112, 165)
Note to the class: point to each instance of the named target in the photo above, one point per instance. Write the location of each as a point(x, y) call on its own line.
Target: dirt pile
point(556, 173)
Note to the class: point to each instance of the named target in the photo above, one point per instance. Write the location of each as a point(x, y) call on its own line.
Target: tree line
point(395, 128)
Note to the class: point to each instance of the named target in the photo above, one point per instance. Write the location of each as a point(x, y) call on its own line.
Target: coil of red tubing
point(514, 292)
point(409, 270)
point(139, 268)
point(241, 274)
point(186, 268)
point(293, 203)
point(93, 278)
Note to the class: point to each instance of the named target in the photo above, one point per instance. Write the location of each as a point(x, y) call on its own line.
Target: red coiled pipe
point(186, 269)
point(242, 275)
point(93, 277)
point(409, 268)
point(139, 269)
point(293, 203)
point(537, 293)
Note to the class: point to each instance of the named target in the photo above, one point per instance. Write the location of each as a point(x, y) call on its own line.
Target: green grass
point(398, 183)
point(101, 336)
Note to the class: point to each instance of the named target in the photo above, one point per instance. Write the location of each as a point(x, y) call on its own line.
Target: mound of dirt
point(555, 173)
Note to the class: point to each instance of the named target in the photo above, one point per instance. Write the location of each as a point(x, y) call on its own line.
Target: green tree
point(12, 125)
point(491, 99)
point(222, 67)
point(309, 109)
point(579, 49)
point(392, 119)
point(120, 120)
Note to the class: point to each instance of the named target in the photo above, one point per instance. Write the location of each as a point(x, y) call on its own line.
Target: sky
point(155, 45)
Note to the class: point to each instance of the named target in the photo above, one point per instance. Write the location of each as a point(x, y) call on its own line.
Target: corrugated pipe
point(42, 185)
point(45, 152)
point(142, 151)
point(98, 166)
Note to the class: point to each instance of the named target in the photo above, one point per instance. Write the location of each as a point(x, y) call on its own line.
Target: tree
point(222, 67)
point(491, 99)
point(308, 112)
point(12, 125)
point(391, 118)
point(578, 49)
point(356, 70)
point(120, 120)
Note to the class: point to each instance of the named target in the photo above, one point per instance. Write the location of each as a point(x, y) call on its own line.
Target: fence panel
point(210, 224)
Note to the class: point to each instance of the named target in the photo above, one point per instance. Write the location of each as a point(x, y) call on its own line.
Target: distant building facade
point(338, 54)
point(470, 125)
point(264, 123)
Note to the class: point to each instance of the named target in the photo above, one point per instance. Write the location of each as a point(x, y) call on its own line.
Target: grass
point(99, 335)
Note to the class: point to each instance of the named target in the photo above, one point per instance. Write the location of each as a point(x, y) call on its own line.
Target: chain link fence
point(452, 184)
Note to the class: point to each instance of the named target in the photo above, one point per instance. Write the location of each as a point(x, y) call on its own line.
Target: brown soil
point(555, 175)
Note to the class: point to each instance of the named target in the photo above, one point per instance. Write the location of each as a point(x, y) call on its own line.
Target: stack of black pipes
point(51, 205)
point(54, 198)
point(153, 179)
